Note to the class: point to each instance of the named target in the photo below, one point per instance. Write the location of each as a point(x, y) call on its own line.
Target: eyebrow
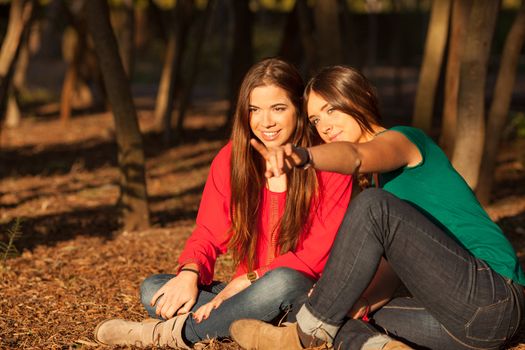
point(322, 109)
point(272, 106)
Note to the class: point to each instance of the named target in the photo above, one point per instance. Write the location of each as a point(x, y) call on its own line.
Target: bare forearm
point(339, 157)
point(379, 291)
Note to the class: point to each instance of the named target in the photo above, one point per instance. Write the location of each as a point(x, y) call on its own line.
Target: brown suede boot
point(142, 334)
point(258, 335)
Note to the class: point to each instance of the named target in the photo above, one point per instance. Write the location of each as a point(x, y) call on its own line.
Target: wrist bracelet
point(190, 269)
point(309, 159)
point(252, 276)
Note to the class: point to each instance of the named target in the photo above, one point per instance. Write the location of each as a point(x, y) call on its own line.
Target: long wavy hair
point(247, 167)
point(350, 92)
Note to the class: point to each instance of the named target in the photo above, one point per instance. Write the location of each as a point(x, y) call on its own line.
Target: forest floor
point(74, 270)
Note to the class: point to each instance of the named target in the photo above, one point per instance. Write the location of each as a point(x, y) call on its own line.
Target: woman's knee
point(285, 283)
point(151, 285)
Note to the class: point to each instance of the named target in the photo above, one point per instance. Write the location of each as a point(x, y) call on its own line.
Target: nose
point(323, 126)
point(268, 121)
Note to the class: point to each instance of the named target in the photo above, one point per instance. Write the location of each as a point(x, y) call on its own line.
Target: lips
point(334, 136)
point(269, 135)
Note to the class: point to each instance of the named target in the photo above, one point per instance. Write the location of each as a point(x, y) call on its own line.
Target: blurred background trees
point(447, 66)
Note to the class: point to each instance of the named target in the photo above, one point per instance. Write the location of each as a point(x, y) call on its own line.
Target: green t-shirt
point(440, 193)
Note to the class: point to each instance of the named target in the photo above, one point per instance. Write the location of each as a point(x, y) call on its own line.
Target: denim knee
point(149, 287)
point(282, 286)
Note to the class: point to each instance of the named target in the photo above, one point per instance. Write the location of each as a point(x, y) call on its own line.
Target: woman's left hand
point(235, 286)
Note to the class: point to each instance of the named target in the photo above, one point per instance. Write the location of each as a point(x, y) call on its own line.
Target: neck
point(369, 136)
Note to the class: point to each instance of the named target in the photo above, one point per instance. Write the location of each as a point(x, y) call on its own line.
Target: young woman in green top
point(464, 277)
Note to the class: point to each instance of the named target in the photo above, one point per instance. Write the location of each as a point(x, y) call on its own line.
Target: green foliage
point(8, 250)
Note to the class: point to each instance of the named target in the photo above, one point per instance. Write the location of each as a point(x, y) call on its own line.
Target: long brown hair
point(247, 166)
point(350, 92)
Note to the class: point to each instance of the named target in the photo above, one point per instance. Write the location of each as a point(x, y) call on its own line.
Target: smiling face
point(273, 117)
point(332, 124)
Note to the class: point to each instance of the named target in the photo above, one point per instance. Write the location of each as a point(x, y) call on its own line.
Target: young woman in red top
point(279, 230)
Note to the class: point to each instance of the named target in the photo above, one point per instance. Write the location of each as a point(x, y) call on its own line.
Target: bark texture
point(471, 96)
point(499, 108)
point(431, 67)
point(133, 201)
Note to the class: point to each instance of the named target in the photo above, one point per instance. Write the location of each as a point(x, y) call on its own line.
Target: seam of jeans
point(419, 229)
point(339, 293)
point(456, 339)
point(480, 309)
point(518, 308)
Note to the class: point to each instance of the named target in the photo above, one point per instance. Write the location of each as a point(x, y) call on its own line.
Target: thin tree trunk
point(290, 48)
point(171, 73)
point(141, 25)
point(460, 13)
point(19, 17)
point(306, 30)
point(471, 96)
point(328, 34)
point(500, 104)
point(194, 63)
point(13, 113)
point(66, 94)
point(133, 201)
point(372, 33)
point(242, 56)
point(431, 66)
point(127, 37)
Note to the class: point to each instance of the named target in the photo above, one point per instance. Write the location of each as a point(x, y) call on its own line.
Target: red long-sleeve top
point(212, 232)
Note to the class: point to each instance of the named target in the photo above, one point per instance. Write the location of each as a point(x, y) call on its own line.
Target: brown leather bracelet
point(190, 269)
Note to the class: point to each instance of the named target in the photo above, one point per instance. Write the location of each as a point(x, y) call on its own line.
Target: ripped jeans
point(266, 299)
point(457, 302)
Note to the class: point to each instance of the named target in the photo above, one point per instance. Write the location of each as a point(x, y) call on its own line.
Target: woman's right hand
point(177, 296)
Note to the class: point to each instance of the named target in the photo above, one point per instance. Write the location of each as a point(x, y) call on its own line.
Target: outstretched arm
point(386, 152)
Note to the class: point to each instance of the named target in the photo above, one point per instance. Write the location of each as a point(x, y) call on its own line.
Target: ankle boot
point(258, 335)
point(142, 334)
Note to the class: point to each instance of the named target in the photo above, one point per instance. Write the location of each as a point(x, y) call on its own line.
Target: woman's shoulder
point(220, 166)
point(223, 157)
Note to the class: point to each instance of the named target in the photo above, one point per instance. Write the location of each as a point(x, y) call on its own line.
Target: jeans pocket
point(491, 322)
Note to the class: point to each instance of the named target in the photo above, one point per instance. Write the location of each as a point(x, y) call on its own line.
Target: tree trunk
point(133, 201)
point(471, 96)
point(19, 16)
point(306, 30)
point(127, 37)
point(500, 104)
point(194, 63)
point(372, 32)
point(431, 66)
point(141, 25)
point(328, 34)
point(290, 47)
point(242, 56)
point(13, 113)
point(460, 13)
point(171, 73)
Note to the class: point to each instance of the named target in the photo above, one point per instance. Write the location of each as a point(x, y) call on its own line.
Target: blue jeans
point(457, 302)
point(267, 298)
